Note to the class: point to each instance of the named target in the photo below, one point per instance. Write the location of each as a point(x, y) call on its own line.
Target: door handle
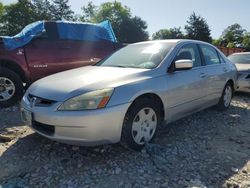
point(225, 69)
point(20, 51)
point(203, 75)
point(95, 59)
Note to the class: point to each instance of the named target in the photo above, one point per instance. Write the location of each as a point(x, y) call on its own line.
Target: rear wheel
point(11, 87)
point(226, 97)
point(141, 123)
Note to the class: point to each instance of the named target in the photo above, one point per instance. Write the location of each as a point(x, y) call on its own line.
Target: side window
point(210, 55)
point(42, 35)
point(190, 51)
point(222, 60)
point(52, 30)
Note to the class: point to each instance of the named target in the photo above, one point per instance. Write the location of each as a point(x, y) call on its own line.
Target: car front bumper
point(86, 128)
point(243, 85)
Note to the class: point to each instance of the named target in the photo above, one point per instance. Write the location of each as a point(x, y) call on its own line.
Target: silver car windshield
point(146, 56)
point(240, 59)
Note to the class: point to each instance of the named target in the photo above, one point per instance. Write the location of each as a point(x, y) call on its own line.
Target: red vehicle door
point(76, 53)
point(41, 55)
point(47, 54)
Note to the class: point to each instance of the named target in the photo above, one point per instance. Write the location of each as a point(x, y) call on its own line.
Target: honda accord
point(127, 96)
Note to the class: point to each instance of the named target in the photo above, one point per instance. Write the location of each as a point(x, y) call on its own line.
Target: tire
point(141, 123)
point(11, 87)
point(226, 97)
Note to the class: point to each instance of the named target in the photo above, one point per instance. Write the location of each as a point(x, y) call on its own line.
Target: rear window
point(210, 55)
point(240, 58)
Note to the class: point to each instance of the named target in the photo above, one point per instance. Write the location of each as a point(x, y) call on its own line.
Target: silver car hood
point(64, 85)
point(242, 67)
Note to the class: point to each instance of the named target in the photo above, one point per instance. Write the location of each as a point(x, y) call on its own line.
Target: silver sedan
point(128, 95)
point(242, 63)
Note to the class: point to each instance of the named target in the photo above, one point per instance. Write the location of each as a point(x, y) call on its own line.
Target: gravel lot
point(207, 149)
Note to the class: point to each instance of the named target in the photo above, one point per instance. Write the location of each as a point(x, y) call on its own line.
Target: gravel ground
point(208, 149)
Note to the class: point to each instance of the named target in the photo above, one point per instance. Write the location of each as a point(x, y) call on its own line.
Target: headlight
point(91, 100)
point(244, 74)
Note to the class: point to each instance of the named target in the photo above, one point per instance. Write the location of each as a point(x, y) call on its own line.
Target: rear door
point(48, 54)
point(216, 71)
point(77, 53)
point(44, 57)
point(186, 87)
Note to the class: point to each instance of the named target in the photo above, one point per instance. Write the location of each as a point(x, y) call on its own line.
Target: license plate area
point(26, 116)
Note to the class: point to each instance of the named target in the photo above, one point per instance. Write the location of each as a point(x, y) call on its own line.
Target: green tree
point(246, 41)
point(172, 33)
point(1, 9)
point(217, 42)
point(198, 29)
point(61, 10)
point(16, 16)
point(233, 34)
point(230, 45)
point(127, 28)
point(44, 9)
point(88, 12)
point(132, 30)
point(1, 13)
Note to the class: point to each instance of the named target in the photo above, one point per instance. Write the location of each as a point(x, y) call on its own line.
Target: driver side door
point(186, 88)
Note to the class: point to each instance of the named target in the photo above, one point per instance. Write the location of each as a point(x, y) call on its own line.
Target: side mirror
point(183, 64)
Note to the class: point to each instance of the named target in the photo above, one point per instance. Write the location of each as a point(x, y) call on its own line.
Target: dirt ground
point(207, 149)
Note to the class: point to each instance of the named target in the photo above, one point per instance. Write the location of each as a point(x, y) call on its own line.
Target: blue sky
point(161, 14)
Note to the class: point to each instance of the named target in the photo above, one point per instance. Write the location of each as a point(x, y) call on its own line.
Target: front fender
point(129, 92)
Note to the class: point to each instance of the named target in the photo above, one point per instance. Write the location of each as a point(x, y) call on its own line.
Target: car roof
point(157, 41)
point(172, 41)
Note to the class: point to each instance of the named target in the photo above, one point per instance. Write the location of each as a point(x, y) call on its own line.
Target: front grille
point(44, 128)
point(38, 101)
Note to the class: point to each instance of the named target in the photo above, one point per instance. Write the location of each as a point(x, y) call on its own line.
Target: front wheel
point(11, 87)
point(226, 97)
point(141, 123)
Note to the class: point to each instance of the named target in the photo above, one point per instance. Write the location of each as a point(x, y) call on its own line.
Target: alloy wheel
point(7, 89)
point(227, 96)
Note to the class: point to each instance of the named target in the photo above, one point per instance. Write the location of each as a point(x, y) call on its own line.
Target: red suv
point(44, 48)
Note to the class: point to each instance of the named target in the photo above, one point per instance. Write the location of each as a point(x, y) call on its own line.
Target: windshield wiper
point(122, 66)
